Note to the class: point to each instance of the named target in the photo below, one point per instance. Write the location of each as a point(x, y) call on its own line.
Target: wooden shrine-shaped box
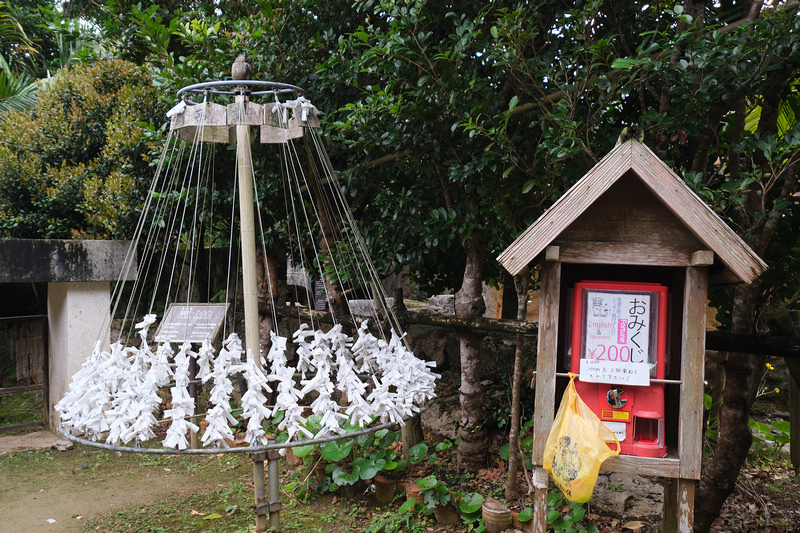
point(628, 225)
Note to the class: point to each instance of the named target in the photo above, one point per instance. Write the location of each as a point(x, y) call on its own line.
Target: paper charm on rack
point(182, 403)
point(219, 417)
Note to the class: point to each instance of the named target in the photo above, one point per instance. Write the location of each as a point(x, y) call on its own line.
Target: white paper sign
point(617, 428)
point(617, 338)
point(594, 371)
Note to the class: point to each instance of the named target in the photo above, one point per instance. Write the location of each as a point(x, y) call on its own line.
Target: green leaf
point(443, 446)
point(504, 452)
point(406, 507)
point(525, 515)
point(370, 469)
point(336, 450)
point(471, 503)
point(626, 63)
point(528, 186)
point(302, 451)
point(781, 425)
point(342, 477)
point(417, 452)
point(212, 516)
point(427, 483)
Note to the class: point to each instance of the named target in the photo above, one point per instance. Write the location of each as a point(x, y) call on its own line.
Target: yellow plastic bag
point(577, 446)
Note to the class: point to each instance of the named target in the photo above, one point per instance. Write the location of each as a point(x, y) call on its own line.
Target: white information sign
point(617, 347)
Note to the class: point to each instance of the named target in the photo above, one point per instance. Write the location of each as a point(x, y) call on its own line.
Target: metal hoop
point(239, 449)
point(237, 86)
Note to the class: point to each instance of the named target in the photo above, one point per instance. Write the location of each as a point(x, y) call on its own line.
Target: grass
point(22, 408)
point(224, 506)
point(224, 510)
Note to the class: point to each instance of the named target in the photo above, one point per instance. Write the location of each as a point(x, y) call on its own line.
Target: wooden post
point(244, 167)
point(545, 382)
point(690, 431)
point(794, 423)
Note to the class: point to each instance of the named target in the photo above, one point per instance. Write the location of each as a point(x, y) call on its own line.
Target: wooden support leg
point(540, 483)
point(540, 511)
point(670, 517)
point(679, 505)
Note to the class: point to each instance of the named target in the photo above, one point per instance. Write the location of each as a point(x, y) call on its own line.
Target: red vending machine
point(618, 345)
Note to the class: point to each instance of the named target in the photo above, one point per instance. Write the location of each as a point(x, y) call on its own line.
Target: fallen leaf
point(212, 516)
point(634, 524)
point(79, 517)
point(198, 513)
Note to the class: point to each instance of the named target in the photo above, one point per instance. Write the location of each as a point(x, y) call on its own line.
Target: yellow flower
point(777, 390)
point(770, 367)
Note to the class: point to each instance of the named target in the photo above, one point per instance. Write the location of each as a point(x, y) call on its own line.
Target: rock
point(62, 445)
point(441, 420)
point(443, 304)
point(435, 344)
point(628, 495)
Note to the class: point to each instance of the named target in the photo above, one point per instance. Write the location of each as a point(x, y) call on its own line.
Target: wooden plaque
point(191, 322)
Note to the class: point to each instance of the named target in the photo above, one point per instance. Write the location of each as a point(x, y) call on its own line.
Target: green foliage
point(566, 516)
point(394, 522)
point(434, 491)
point(769, 439)
point(471, 507)
point(76, 165)
point(17, 91)
point(347, 461)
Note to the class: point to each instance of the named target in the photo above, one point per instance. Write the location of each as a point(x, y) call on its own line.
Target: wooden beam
point(624, 253)
point(503, 325)
point(651, 466)
point(753, 344)
point(702, 258)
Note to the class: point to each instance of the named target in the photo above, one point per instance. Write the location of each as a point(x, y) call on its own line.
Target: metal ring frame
point(240, 449)
point(269, 88)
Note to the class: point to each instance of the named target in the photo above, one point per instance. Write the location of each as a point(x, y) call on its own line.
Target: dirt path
point(52, 491)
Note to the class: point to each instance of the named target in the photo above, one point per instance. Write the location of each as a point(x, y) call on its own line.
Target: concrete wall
point(79, 316)
point(78, 276)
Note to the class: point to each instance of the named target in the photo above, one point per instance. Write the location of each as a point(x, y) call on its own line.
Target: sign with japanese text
point(618, 346)
point(191, 322)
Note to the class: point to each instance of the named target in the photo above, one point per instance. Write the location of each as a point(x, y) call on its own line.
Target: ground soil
point(52, 491)
point(76, 486)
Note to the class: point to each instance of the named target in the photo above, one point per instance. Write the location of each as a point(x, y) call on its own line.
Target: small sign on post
point(191, 322)
point(618, 343)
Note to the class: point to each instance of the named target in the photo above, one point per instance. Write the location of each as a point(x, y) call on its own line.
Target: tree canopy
point(77, 164)
point(455, 126)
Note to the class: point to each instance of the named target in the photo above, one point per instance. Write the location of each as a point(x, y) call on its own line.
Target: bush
point(77, 165)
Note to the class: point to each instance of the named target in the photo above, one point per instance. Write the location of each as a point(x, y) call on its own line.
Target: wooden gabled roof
point(633, 156)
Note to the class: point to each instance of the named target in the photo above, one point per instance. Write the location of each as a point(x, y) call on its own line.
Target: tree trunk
point(521, 284)
point(473, 444)
point(742, 375)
